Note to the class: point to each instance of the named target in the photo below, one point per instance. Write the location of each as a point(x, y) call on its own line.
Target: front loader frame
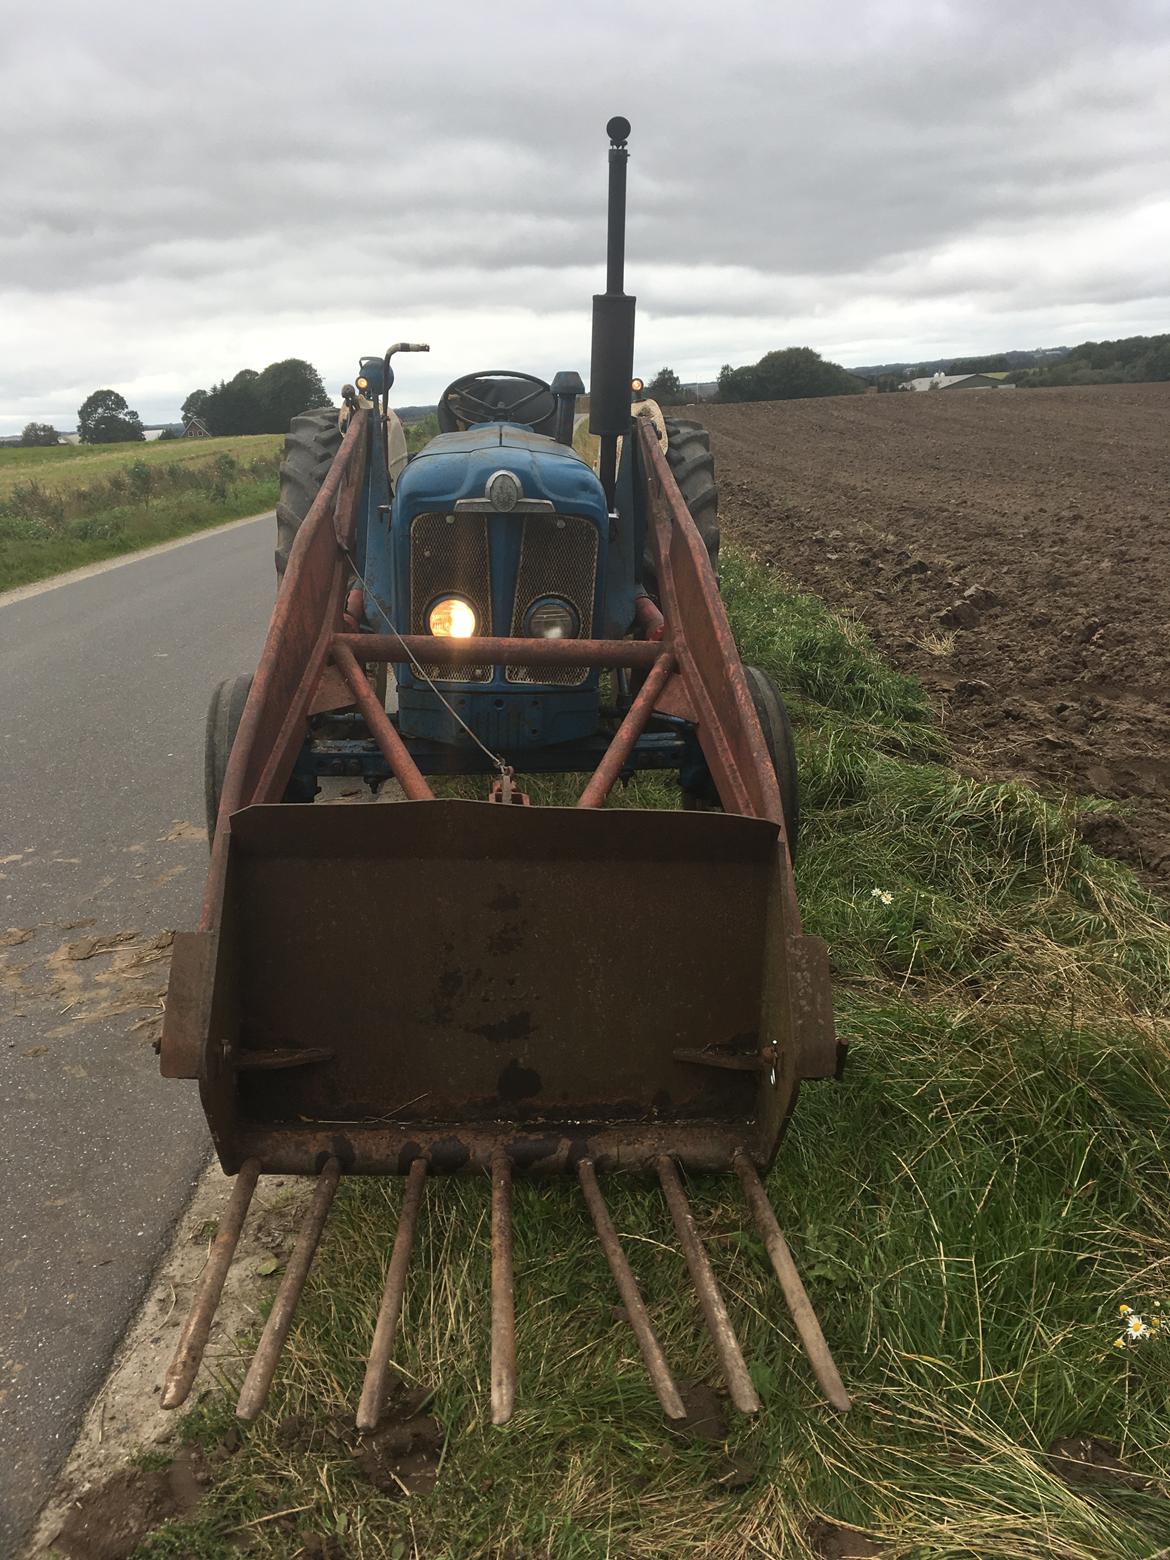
point(310, 664)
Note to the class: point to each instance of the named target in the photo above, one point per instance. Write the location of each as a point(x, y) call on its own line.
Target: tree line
point(249, 402)
point(791, 373)
point(264, 402)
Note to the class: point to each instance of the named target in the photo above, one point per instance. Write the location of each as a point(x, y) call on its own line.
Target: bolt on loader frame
point(441, 986)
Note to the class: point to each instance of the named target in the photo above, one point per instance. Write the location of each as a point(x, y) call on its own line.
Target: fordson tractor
point(466, 983)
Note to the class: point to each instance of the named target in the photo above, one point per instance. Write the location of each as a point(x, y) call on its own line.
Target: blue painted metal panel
point(506, 716)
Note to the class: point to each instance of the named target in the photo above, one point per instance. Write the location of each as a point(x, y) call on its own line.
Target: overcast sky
point(189, 190)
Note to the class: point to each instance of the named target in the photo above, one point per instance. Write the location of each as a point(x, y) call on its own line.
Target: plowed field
point(1010, 549)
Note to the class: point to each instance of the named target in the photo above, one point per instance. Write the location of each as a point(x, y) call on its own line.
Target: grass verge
point(969, 1208)
point(81, 508)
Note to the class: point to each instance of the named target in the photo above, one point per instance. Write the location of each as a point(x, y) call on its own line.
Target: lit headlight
point(503, 491)
point(362, 382)
point(551, 618)
point(452, 618)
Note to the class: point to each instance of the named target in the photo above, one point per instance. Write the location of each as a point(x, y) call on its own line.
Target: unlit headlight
point(452, 618)
point(551, 618)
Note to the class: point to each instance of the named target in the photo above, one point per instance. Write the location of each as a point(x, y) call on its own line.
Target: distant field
point(68, 465)
point(1052, 506)
point(64, 507)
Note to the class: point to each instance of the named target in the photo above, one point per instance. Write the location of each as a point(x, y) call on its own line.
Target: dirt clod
point(401, 1457)
point(322, 1546)
point(833, 1542)
point(111, 1520)
point(735, 1472)
point(706, 1415)
point(1088, 1460)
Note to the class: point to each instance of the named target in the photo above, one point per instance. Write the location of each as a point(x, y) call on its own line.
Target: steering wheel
point(497, 395)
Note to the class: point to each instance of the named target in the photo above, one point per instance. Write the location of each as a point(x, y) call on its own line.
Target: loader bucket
point(436, 986)
point(447, 978)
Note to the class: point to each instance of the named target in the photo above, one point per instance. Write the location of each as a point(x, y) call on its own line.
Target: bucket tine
point(652, 1355)
point(197, 1328)
point(735, 1371)
point(263, 1367)
point(503, 1299)
point(374, 1386)
point(799, 1304)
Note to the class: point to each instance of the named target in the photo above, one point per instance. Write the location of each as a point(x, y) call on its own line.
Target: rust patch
point(517, 1082)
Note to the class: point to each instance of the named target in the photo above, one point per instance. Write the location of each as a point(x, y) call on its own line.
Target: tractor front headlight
point(551, 618)
point(452, 618)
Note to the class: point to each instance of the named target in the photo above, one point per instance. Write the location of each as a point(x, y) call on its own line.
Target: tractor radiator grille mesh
point(558, 557)
point(449, 557)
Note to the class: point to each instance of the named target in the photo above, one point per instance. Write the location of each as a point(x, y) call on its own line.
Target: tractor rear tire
point(313, 439)
point(223, 722)
point(777, 729)
point(689, 457)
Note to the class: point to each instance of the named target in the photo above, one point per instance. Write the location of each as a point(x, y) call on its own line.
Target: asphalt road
point(104, 683)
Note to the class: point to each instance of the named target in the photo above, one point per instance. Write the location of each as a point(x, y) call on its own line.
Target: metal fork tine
point(652, 1355)
point(263, 1367)
point(735, 1371)
point(374, 1386)
point(197, 1328)
point(799, 1304)
point(503, 1299)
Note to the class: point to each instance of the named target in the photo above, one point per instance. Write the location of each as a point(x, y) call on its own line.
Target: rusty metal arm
point(307, 610)
point(627, 733)
point(698, 630)
point(382, 728)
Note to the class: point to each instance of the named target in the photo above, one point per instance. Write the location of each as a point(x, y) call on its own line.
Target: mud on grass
point(969, 1208)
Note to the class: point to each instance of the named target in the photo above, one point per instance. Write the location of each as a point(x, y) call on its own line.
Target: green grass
point(64, 507)
point(969, 1207)
point(68, 465)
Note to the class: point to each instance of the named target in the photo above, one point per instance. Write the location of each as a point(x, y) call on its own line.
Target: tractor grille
point(449, 556)
point(558, 557)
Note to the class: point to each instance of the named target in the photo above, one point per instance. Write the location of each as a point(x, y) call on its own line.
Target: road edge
point(9, 598)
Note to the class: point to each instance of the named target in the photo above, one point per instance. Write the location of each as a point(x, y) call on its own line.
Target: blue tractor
point(500, 526)
point(457, 984)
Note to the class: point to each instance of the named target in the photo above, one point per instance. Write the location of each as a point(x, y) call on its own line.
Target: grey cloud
point(187, 183)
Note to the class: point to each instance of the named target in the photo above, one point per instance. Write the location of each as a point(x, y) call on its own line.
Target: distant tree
point(234, 406)
point(789, 374)
point(287, 389)
point(259, 403)
point(194, 406)
point(1131, 360)
point(104, 418)
point(40, 433)
point(666, 388)
point(997, 363)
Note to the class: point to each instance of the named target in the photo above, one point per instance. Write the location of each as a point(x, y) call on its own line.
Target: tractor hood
point(458, 465)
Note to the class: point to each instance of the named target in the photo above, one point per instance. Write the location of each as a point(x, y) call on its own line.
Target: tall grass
point(969, 1207)
point(125, 505)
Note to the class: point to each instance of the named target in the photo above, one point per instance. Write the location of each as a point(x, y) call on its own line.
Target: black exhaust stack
point(613, 323)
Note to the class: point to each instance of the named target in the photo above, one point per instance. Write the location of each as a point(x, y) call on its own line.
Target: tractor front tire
point(777, 729)
point(313, 439)
point(699, 791)
point(224, 714)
